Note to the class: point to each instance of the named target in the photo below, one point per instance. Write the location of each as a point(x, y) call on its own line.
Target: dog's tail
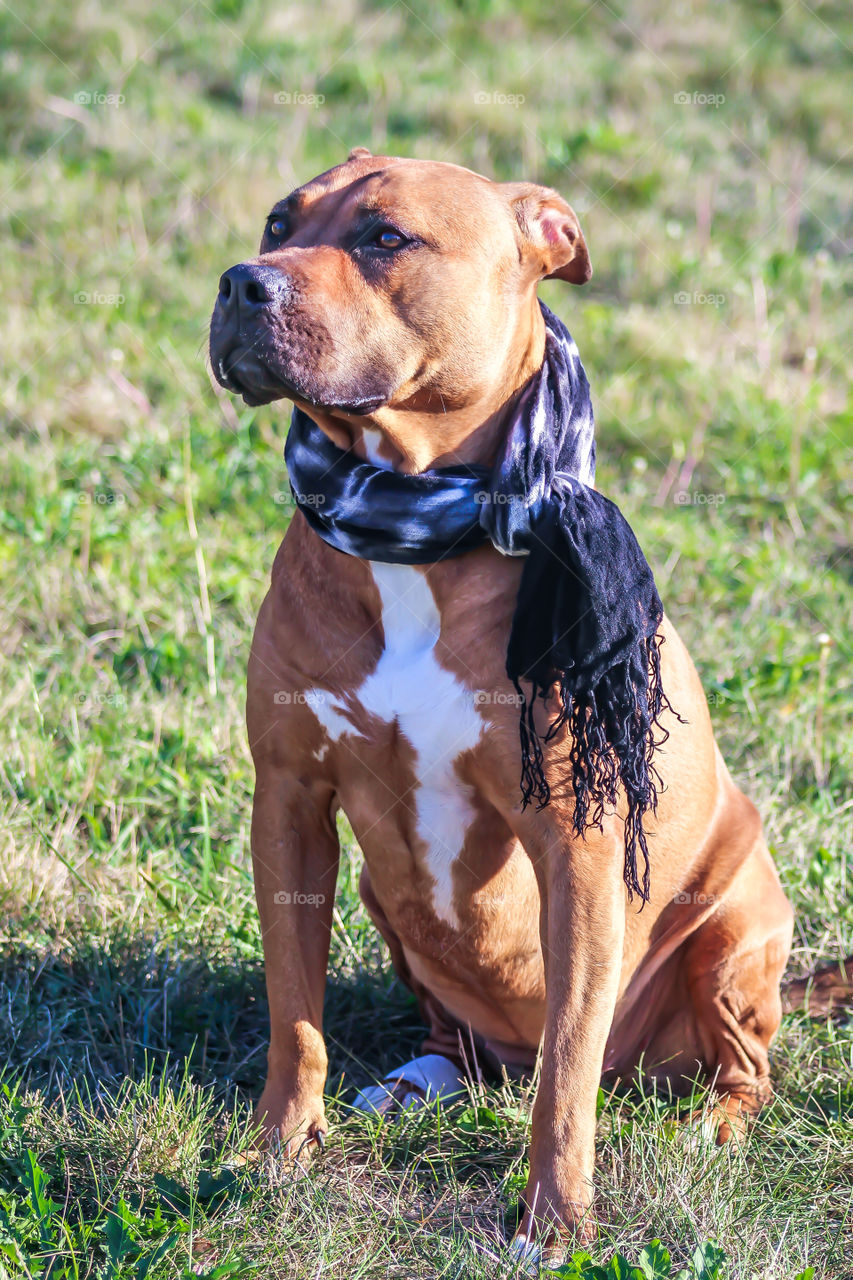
point(827, 990)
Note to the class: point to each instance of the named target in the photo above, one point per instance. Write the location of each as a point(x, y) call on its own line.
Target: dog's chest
point(431, 708)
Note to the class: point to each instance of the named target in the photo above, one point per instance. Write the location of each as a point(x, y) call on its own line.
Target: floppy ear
point(359, 153)
point(550, 228)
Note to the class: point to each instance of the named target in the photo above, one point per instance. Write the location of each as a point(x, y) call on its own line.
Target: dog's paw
point(545, 1253)
point(295, 1130)
point(419, 1083)
point(724, 1119)
point(544, 1238)
point(526, 1254)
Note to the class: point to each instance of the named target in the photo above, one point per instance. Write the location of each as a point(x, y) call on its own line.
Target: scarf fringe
point(608, 751)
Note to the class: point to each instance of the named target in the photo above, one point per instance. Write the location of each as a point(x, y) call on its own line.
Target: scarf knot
point(585, 632)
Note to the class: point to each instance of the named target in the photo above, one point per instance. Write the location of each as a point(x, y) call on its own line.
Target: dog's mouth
point(243, 371)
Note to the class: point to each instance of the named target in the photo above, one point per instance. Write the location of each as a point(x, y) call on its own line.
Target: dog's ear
point(551, 228)
point(359, 153)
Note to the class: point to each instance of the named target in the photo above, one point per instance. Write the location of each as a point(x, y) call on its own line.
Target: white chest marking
point(372, 440)
point(433, 710)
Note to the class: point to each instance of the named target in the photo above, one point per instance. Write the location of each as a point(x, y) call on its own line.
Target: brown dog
point(395, 302)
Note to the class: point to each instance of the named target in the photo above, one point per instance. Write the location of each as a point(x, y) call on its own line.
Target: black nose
point(249, 287)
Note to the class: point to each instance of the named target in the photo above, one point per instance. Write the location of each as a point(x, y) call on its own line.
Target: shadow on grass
point(98, 1012)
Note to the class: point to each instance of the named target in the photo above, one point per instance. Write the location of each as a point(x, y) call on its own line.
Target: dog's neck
point(423, 432)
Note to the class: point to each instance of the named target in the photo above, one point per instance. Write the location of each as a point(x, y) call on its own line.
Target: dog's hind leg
point(733, 965)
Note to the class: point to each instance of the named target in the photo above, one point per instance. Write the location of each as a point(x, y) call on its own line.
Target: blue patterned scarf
point(587, 616)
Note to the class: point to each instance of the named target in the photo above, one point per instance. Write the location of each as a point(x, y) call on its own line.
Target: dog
point(394, 302)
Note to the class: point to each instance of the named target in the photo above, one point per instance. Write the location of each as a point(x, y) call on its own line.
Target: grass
point(138, 521)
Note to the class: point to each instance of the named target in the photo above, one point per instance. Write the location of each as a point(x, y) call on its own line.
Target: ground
point(705, 150)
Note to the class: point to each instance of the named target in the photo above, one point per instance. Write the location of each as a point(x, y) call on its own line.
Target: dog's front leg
point(582, 927)
point(295, 860)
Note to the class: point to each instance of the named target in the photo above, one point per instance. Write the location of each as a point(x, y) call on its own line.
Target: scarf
point(584, 635)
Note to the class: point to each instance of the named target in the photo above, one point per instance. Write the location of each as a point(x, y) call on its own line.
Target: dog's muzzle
point(250, 296)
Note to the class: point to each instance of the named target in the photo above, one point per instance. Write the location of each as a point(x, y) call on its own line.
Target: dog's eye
point(277, 228)
point(388, 238)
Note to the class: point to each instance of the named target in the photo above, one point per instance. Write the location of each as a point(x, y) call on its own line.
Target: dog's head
point(391, 283)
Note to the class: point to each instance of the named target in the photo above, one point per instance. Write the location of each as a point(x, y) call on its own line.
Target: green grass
point(132, 1012)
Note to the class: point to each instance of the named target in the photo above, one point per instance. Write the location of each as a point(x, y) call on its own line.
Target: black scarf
point(587, 615)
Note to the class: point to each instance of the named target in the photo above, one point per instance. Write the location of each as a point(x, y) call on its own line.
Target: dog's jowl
point(463, 648)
